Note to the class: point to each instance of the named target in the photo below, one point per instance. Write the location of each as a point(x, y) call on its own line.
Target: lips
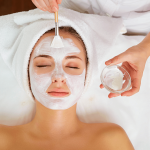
point(58, 93)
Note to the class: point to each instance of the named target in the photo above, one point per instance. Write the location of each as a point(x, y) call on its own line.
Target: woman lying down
point(57, 79)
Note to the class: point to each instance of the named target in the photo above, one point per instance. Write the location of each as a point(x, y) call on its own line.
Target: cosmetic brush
point(57, 41)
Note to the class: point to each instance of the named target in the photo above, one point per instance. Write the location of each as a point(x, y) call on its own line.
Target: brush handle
point(56, 16)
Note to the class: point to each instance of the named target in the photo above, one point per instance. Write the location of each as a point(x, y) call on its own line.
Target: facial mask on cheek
point(40, 83)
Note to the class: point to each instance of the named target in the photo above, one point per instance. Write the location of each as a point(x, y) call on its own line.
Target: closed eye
point(40, 66)
point(72, 67)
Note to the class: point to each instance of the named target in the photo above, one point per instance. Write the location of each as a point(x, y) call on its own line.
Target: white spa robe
point(135, 13)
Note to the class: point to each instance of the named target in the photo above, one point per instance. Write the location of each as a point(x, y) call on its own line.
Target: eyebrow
point(73, 57)
point(46, 56)
point(68, 57)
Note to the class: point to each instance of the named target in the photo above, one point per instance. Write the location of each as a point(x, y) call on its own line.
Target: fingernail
point(54, 9)
point(108, 62)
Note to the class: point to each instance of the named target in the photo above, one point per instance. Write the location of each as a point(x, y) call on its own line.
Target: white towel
point(18, 34)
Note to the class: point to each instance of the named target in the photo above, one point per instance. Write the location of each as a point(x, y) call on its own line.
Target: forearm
point(146, 44)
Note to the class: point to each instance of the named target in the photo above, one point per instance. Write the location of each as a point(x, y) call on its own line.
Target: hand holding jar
point(133, 60)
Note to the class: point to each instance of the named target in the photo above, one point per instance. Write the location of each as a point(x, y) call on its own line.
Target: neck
point(55, 123)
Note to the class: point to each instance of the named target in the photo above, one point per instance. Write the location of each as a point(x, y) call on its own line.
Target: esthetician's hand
point(47, 5)
point(133, 60)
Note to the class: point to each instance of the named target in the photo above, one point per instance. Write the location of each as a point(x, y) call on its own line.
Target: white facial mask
point(40, 83)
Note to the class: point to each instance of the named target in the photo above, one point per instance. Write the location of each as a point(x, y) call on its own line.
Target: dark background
point(13, 6)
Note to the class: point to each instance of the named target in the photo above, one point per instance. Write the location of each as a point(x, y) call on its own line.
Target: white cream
point(114, 78)
point(40, 83)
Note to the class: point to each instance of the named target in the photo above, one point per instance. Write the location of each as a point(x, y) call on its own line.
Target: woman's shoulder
point(116, 136)
point(104, 128)
point(4, 137)
point(7, 136)
point(110, 135)
point(109, 128)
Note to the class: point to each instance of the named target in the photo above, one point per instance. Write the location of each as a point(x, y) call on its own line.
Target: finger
point(59, 1)
point(42, 4)
point(130, 92)
point(47, 5)
point(101, 86)
point(113, 95)
point(38, 5)
point(135, 88)
point(117, 59)
point(53, 5)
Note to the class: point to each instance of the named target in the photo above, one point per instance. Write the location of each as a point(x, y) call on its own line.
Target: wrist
point(145, 45)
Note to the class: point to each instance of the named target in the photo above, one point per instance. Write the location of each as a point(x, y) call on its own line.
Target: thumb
point(117, 59)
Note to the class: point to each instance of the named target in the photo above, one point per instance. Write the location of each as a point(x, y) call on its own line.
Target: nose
point(59, 80)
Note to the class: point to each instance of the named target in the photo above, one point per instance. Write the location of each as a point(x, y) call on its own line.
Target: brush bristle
point(57, 42)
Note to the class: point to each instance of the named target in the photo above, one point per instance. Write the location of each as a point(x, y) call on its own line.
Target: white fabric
point(135, 13)
point(99, 34)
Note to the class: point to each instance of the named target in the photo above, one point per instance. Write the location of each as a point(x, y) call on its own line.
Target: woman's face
point(63, 69)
